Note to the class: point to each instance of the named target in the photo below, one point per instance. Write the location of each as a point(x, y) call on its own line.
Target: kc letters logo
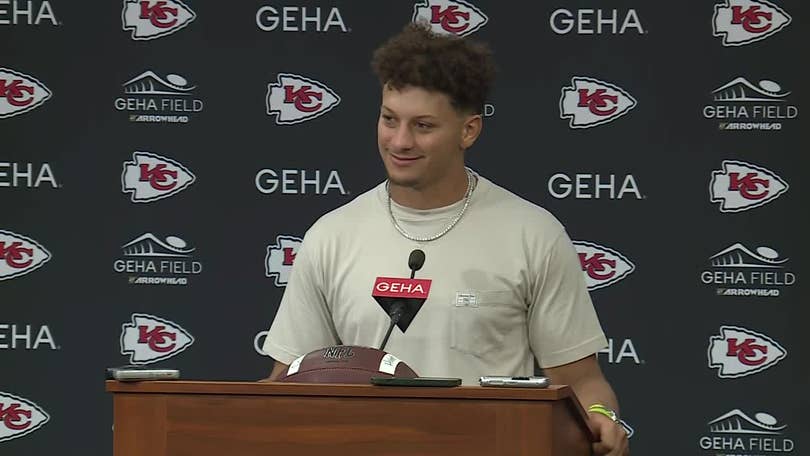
point(151, 177)
point(19, 417)
point(450, 17)
point(742, 105)
point(280, 257)
point(294, 99)
point(590, 102)
point(741, 435)
point(151, 19)
point(738, 352)
point(602, 265)
point(158, 262)
point(740, 22)
point(20, 93)
point(148, 339)
point(741, 186)
point(20, 255)
point(740, 271)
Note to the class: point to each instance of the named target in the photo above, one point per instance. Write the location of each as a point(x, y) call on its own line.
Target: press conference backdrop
point(161, 161)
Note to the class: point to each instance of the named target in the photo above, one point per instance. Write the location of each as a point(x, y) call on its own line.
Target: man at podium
point(507, 286)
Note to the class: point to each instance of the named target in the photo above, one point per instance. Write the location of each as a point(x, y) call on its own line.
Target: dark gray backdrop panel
point(665, 143)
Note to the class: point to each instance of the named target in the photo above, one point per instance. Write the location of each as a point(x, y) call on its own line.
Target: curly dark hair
point(463, 70)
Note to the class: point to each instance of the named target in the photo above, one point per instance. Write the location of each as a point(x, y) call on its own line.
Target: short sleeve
point(563, 325)
point(303, 322)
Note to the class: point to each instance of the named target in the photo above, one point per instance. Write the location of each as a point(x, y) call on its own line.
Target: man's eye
point(424, 125)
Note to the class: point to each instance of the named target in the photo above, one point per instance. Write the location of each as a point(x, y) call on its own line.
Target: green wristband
point(602, 410)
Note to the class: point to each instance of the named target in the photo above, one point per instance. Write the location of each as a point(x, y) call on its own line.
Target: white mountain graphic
point(149, 83)
point(150, 246)
point(737, 422)
point(740, 89)
point(739, 256)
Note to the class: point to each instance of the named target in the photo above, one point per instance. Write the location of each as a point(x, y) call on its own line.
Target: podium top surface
point(552, 393)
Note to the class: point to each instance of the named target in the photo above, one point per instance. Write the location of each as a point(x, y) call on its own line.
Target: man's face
point(420, 136)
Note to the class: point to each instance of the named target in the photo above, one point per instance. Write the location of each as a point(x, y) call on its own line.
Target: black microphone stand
point(396, 314)
point(415, 262)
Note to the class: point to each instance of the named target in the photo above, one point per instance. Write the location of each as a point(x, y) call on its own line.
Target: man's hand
point(591, 387)
point(279, 369)
point(611, 437)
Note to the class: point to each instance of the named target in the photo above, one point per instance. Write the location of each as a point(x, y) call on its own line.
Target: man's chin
point(403, 181)
point(402, 177)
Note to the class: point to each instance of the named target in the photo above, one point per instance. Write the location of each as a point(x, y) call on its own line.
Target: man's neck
point(444, 193)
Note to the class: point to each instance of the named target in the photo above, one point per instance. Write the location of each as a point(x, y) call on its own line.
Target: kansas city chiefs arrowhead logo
point(450, 17)
point(601, 265)
point(741, 186)
point(20, 255)
point(590, 102)
point(150, 19)
point(294, 99)
point(738, 352)
point(19, 417)
point(20, 93)
point(740, 22)
point(148, 339)
point(150, 177)
point(280, 257)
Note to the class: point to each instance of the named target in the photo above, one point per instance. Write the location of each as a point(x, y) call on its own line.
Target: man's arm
point(278, 369)
point(591, 387)
point(303, 322)
point(586, 378)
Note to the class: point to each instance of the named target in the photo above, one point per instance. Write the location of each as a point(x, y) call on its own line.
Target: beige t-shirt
point(506, 286)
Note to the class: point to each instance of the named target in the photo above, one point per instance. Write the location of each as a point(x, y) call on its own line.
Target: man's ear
point(471, 130)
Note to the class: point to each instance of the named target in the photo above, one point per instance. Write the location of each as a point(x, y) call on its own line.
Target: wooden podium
point(180, 418)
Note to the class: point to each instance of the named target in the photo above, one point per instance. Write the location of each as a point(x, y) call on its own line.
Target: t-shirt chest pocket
point(483, 323)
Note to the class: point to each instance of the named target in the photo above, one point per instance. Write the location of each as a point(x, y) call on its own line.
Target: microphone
point(402, 298)
point(415, 261)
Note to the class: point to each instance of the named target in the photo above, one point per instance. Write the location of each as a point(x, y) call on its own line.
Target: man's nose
point(402, 138)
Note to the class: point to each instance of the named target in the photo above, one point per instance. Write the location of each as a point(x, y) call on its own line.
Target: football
point(345, 364)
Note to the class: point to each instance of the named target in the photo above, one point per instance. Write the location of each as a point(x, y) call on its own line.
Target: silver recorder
point(514, 382)
point(137, 374)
